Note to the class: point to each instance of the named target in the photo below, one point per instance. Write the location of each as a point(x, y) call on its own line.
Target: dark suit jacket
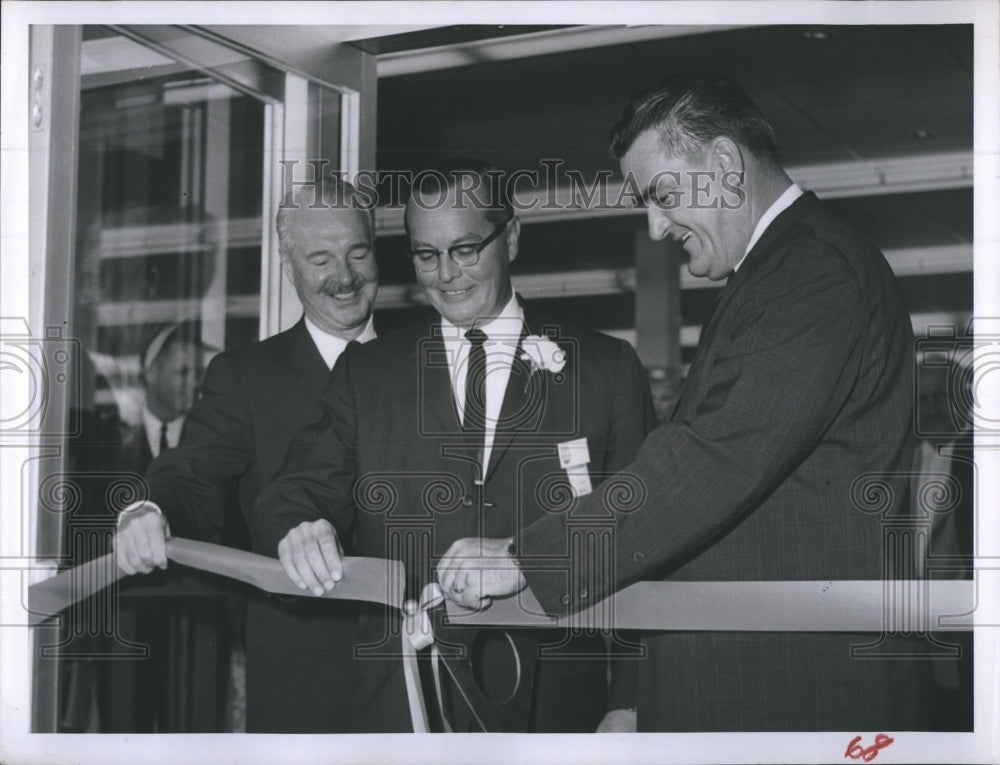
point(99, 455)
point(135, 452)
point(389, 468)
point(798, 404)
point(254, 399)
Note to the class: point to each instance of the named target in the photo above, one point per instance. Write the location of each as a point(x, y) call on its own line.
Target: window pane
point(167, 272)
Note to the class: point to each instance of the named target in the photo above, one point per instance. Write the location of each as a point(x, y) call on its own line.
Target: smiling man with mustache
point(332, 267)
point(254, 399)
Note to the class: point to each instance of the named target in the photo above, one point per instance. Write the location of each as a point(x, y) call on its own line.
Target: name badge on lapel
point(574, 456)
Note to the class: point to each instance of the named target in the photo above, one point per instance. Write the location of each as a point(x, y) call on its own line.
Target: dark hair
point(689, 110)
point(484, 184)
point(330, 193)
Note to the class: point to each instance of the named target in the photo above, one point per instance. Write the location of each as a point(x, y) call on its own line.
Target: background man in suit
point(136, 696)
point(254, 399)
point(800, 391)
point(456, 427)
point(172, 366)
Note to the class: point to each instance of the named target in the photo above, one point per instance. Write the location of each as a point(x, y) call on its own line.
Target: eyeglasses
point(464, 255)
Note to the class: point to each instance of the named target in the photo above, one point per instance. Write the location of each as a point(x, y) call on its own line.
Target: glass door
point(182, 145)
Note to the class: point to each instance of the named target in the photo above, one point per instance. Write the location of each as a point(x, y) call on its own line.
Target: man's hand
point(618, 721)
point(475, 570)
point(140, 541)
point(311, 555)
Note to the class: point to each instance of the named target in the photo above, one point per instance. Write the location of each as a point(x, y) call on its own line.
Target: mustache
point(333, 290)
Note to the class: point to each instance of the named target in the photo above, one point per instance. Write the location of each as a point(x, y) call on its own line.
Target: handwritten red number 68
point(857, 752)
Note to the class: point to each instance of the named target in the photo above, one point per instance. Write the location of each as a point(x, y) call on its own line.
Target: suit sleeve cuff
point(544, 561)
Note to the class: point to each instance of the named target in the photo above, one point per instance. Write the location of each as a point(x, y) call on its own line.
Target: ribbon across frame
point(902, 606)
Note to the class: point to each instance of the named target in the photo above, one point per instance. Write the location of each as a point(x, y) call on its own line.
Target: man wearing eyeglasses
point(473, 424)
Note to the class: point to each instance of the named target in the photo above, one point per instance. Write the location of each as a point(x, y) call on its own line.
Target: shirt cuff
point(136, 506)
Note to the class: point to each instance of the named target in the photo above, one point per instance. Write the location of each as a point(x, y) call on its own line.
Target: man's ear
point(727, 156)
point(513, 234)
point(286, 269)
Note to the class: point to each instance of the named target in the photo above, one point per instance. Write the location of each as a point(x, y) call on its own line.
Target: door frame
point(40, 289)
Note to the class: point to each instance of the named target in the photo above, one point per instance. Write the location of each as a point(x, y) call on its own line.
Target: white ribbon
point(416, 619)
point(418, 633)
point(904, 606)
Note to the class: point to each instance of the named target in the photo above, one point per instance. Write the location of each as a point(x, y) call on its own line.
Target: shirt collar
point(506, 326)
point(153, 423)
point(330, 346)
point(780, 204)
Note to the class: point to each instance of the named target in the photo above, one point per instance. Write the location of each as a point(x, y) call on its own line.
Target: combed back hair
point(689, 110)
point(329, 193)
point(485, 186)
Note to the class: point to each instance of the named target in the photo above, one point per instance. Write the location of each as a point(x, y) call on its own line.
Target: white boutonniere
point(543, 354)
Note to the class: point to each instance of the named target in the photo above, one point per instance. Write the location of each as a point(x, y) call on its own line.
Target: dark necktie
point(350, 344)
point(474, 420)
point(164, 444)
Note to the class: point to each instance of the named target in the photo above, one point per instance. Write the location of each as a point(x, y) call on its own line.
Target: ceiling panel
point(857, 93)
point(384, 42)
point(898, 221)
point(833, 94)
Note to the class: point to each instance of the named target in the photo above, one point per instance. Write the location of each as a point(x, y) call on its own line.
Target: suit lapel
point(437, 402)
point(768, 242)
point(523, 403)
point(780, 228)
point(311, 373)
point(438, 413)
point(524, 400)
point(143, 451)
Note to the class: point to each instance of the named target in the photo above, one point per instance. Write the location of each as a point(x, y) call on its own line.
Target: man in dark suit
point(136, 696)
point(172, 366)
point(254, 399)
point(797, 405)
point(475, 423)
point(140, 695)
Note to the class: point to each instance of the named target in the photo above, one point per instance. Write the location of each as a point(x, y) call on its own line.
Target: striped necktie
point(474, 419)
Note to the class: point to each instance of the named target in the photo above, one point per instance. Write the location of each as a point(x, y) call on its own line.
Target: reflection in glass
point(167, 272)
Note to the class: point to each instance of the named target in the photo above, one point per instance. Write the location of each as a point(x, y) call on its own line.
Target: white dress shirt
point(330, 346)
point(503, 334)
point(780, 204)
point(153, 423)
